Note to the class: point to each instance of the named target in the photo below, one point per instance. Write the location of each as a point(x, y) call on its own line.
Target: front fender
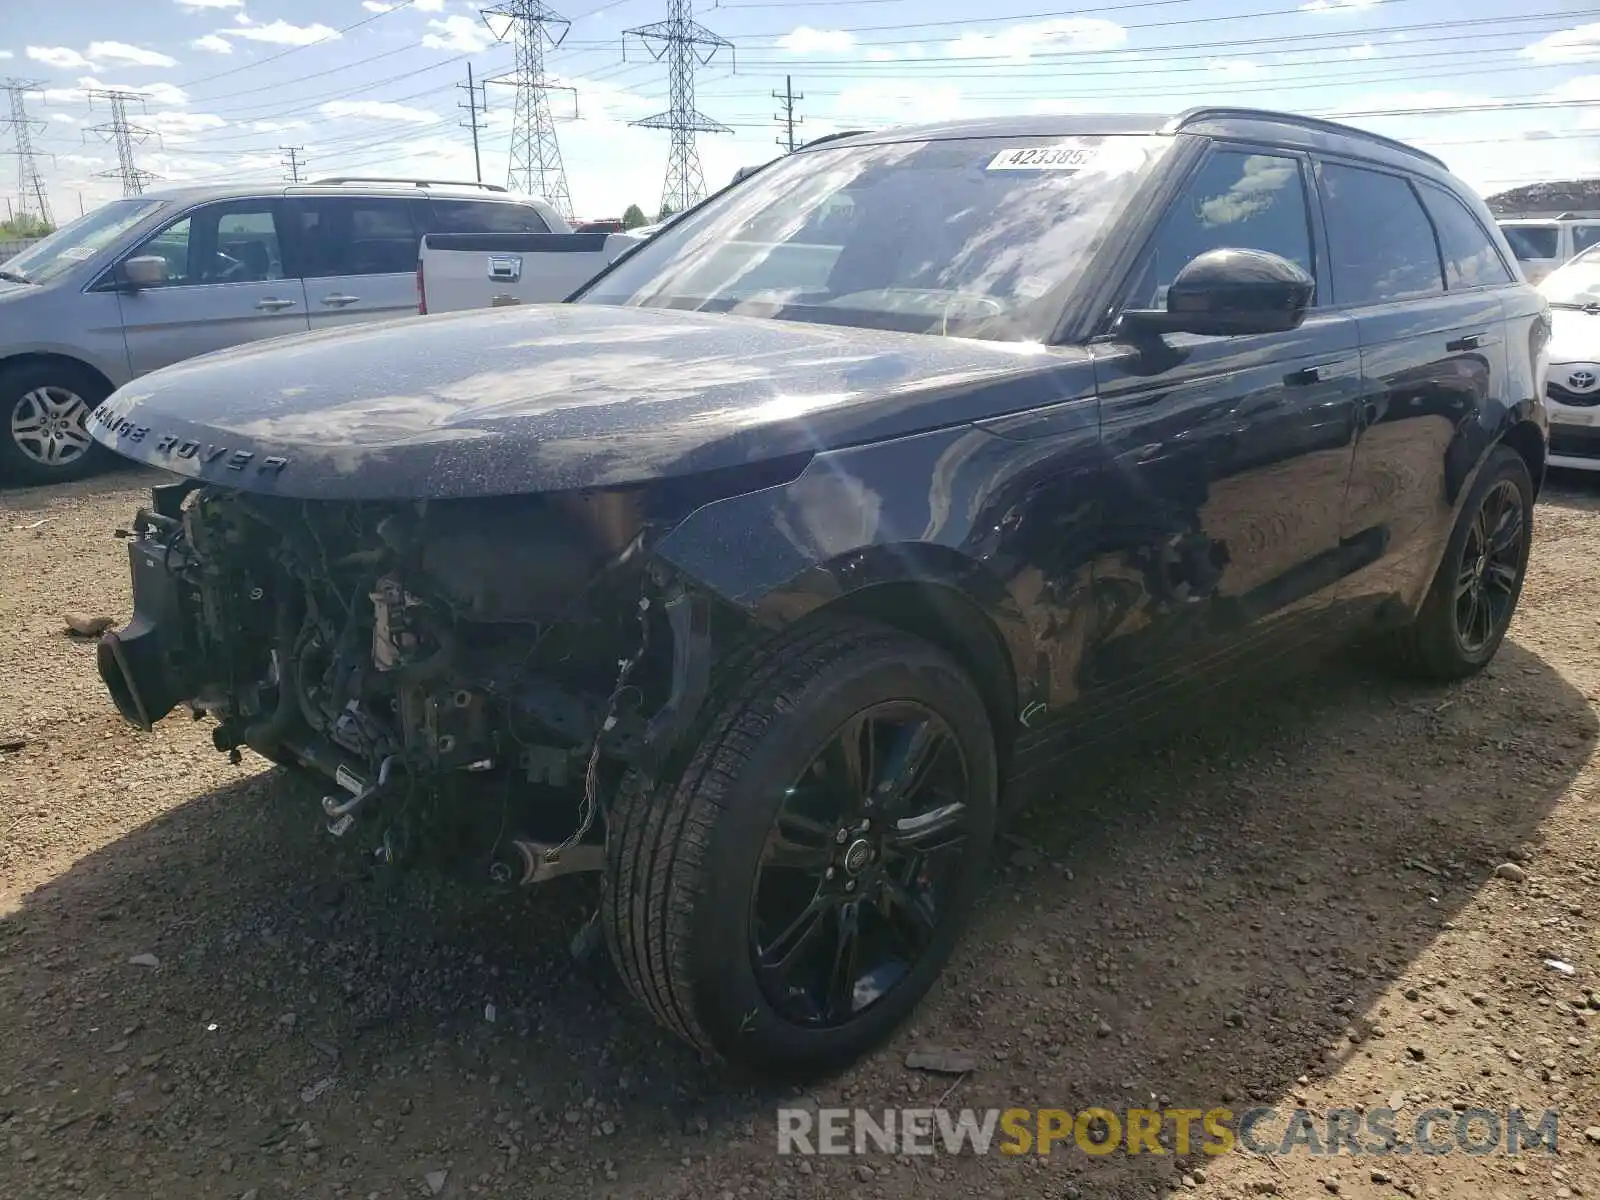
point(960, 509)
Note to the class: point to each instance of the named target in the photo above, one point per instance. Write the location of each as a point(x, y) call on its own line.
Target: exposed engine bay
point(471, 676)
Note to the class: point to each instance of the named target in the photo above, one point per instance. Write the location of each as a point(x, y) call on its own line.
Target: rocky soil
point(1341, 895)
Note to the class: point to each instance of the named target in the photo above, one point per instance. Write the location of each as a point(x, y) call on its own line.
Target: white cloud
point(806, 40)
point(458, 33)
point(281, 33)
point(81, 160)
point(156, 93)
point(64, 118)
point(181, 126)
point(1365, 50)
point(213, 43)
point(1338, 6)
point(429, 5)
point(376, 6)
point(199, 4)
point(1233, 68)
point(377, 110)
point(1579, 44)
point(58, 56)
point(6, 54)
point(277, 126)
point(891, 102)
point(121, 52)
point(1020, 42)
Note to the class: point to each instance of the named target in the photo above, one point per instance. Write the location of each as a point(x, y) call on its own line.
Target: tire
point(44, 409)
point(688, 897)
point(1435, 646)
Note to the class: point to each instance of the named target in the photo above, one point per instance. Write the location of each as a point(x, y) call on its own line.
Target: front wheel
point(787, 900)
point(44, 422)
point(1474, 595)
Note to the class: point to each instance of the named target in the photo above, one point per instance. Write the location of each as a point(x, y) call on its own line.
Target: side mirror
point(1226, 292)
point(147, 270)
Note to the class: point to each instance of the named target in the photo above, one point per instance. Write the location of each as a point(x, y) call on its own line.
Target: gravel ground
point(201, 995)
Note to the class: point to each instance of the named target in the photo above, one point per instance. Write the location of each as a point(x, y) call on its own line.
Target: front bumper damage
point(406, 692)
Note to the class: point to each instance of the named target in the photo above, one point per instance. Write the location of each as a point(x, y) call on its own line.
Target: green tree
point(666, 211)
point(25, 225)
point(634, 217)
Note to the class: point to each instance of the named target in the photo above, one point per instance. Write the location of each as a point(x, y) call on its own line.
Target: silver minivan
point(147, 281)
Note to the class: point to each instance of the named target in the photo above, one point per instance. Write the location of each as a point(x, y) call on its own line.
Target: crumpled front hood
point(1574, 336)
point(556, 397)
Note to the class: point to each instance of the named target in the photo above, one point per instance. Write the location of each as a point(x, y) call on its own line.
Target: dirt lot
point(1299, 904)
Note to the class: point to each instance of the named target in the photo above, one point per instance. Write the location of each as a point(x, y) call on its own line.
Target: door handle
point(273, 304)
point(1471, 342)
point(1302, 377)
point(339, 300)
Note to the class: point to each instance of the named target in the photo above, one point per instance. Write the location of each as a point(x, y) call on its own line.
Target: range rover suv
point(149, 280)
point(823, 528)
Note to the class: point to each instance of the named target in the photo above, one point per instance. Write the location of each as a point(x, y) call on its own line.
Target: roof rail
point(831, 137)
point(331, 179)
point(1210, 112)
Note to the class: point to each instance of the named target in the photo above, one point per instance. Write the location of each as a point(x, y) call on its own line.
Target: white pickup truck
point(457, 271)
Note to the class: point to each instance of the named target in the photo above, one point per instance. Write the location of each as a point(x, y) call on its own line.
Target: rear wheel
point(1474, 595)
point(44, 422)
point(791, 895)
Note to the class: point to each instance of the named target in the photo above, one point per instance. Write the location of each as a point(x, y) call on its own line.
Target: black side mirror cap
point(1229, 292)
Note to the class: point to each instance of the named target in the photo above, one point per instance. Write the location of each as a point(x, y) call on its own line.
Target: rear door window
point(1585, 236)
point(486, 216)
point(1380, 240)
point(356, 235)
point(1533, 243)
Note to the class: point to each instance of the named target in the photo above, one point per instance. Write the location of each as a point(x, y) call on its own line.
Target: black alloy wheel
point(784, 897)
point(859, 865)
point(1490, 568)
point(1474, 593)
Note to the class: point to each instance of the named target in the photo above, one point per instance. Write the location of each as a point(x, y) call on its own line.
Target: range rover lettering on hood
point(204, 454)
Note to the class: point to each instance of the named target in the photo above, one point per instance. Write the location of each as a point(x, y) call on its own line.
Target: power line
point(786, 118)
point(29, 181)
point(293, 161)
point(474, 106)
point(123, 135)
point(536, 166)
point(329, 37)
point(686, 45)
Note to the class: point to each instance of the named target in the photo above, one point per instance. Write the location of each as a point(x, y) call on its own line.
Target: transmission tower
point(536, 167)
point(123, 135)
point(30, 185)
point(293, 162)
point(786, 118)
point(685, 44)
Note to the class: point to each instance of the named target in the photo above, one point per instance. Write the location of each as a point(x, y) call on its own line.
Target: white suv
point(147, 281)
point(1542, 244)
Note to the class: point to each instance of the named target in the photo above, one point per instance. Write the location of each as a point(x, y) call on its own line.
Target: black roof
point(1213, 120)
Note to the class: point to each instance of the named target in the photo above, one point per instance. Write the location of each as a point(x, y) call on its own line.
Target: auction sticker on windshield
point(1043, 158)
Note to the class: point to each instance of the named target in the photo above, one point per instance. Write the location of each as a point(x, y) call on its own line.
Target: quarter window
point(1470, 259)
point(1380, 241)
point(1585, 236)
point(1532, 243)
point(487, 216)
point(1235, 201)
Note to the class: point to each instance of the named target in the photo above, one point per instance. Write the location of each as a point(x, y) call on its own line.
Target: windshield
point(1531, 243)
point(972, 237)
point(80, 240)
point(1575, 284)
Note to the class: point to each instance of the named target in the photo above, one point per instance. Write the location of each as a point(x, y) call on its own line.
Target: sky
point(1505, 94)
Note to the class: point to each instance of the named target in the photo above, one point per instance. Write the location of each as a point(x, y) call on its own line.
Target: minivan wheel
point(786, 899)
point(44, 422)
point(1474, 595)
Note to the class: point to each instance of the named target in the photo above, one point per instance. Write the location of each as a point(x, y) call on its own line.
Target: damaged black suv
point(766, 575)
